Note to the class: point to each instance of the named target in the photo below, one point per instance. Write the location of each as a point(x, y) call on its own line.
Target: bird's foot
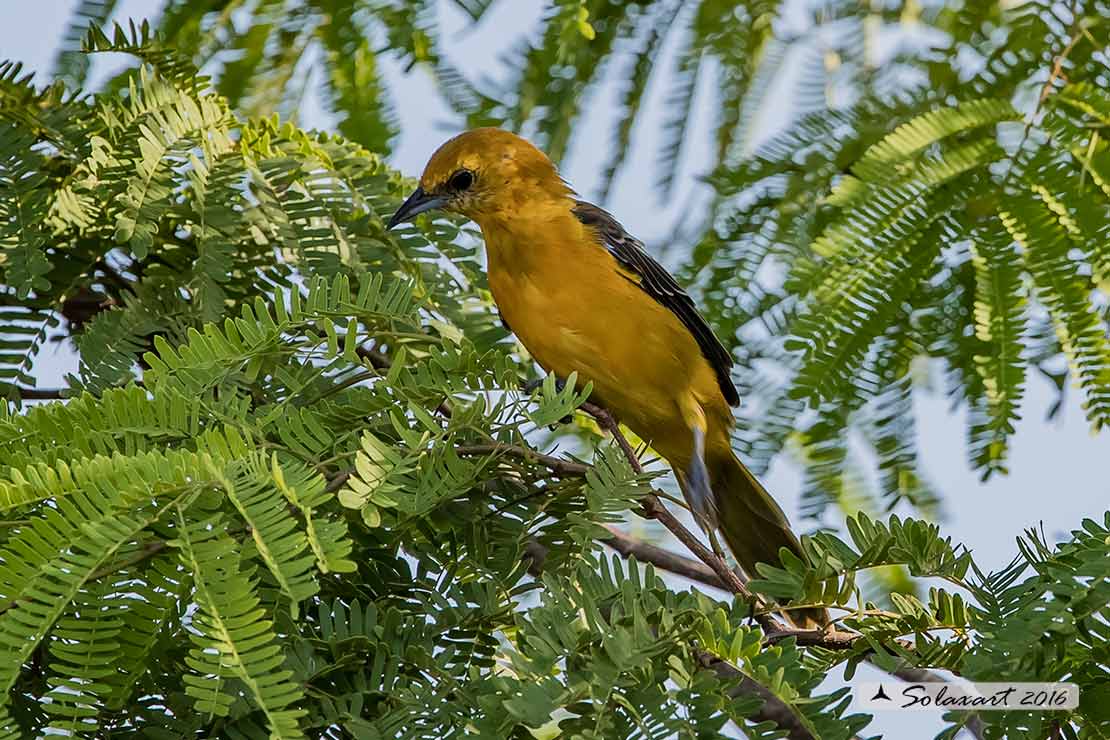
point(535, 384)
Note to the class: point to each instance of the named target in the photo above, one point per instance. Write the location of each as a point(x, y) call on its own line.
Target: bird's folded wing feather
point(658, 283)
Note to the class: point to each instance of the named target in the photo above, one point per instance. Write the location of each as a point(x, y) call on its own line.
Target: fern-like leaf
point(234, 640)
point(50, 560)
point(280, 543)
point(1082, 333)
point(1000, 323)
point(71, 64)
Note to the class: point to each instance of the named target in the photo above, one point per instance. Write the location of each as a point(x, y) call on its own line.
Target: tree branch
point(380, 361)
point(662, 558)
point(654, 509)
point(773, 709)
point(709, 569)
point(148, 550)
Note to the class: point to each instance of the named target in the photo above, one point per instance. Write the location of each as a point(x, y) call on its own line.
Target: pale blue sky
point(1055, 475)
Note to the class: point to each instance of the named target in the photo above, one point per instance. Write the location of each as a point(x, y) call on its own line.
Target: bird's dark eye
point(461, 180)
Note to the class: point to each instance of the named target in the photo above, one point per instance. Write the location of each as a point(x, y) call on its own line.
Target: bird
point(584, 297)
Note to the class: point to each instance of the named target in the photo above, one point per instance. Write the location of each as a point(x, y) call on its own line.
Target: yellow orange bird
point(584, 297)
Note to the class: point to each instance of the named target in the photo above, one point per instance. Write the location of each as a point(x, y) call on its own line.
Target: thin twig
point(380, 361)
point(347, 383)
point(608, 422)
point(38, 394)
point(1058, 62)
point(773, 708)
point(1047, 89)
point(148, 550)
point(557, 465)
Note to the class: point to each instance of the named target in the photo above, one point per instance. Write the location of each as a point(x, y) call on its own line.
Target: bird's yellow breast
point(575, 310)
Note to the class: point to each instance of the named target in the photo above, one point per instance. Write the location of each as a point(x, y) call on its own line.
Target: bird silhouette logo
point(880, 694)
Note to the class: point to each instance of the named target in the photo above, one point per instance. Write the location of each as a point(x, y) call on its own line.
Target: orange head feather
point(482, 174)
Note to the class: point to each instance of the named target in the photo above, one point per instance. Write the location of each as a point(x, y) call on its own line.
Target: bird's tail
point(753, 524)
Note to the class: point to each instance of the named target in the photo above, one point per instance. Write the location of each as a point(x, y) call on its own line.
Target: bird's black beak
point(417, 203)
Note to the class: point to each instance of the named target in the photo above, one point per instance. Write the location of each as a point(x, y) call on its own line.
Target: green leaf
point(233, 637)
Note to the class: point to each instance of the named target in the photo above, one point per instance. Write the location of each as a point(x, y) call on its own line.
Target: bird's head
point(483, 172)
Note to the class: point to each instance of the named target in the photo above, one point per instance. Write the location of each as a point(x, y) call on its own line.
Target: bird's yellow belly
point(639, 357)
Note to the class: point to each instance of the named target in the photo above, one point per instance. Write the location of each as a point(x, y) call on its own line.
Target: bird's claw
point(535, 384)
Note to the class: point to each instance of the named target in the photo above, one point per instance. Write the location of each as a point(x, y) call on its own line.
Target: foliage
point(957, 146)
point(935, 204)
point(940, 232)
point(294, 489)
point(1049, 626)
point(257, 513)
point(267, 56)
point(934, 209)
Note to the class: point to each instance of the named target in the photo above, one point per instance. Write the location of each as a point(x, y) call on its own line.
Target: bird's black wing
point(658, 283)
